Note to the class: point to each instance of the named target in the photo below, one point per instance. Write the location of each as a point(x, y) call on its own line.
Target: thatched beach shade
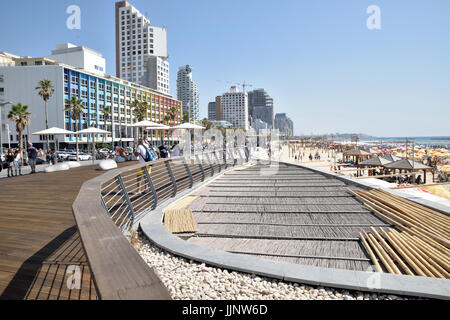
point(372, 162)
point(409, 166)
point(357, 154)
point(392, 158)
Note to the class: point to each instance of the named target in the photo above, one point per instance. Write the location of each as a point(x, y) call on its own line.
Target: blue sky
point(317, 59)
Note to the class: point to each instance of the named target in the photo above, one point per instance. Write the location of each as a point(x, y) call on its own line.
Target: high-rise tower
point(141, 49)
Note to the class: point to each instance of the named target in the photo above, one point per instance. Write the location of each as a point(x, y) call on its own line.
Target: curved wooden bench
point(119, 271)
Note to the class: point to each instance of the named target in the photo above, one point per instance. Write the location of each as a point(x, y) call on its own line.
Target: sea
point(443, 141)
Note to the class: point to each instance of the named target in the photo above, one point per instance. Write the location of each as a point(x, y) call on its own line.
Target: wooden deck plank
point(38, 235)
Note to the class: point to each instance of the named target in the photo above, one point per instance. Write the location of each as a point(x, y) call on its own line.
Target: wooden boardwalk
point(40, 248)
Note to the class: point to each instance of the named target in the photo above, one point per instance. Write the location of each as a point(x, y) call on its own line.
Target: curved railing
point(109, 205)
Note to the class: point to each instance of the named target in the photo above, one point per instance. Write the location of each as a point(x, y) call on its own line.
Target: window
point(2, 90)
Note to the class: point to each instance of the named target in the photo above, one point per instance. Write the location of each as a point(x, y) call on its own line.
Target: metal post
point(224, 156)
point(231, 156)
point(151, 186)
point(1, 126)
point(210, 163)
point(247, 154)
point(191, 181)
point(125, 196)
point(1, 130)
point(217, 159)
point(172, 178)
point(201, 167)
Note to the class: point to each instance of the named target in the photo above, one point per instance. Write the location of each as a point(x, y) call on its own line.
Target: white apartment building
point(137, 38)
point(235, 108)
point(7, 59)
point(187, 92)
point(79, 57)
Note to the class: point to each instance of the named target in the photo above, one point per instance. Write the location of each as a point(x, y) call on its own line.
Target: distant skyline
point(317, 59)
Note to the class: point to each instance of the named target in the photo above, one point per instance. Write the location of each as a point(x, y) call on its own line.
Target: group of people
point(13, 161)
point(145, 152)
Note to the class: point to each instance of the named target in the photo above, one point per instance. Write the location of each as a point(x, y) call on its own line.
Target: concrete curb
point(151, 225)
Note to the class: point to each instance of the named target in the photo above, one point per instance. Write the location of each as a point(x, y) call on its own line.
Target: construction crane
point(243, 85)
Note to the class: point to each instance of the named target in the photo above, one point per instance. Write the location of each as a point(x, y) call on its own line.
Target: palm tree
point(76, 108)
point(207, 124)
point(19, 113)
point(107, 113)
point(141, 110)
point(186, 116)
point(46, 90)
point(172, 115)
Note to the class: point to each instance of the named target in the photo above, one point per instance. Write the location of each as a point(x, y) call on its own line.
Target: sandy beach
point(328, 159)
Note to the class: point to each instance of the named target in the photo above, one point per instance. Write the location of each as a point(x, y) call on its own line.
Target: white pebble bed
point(189, 280)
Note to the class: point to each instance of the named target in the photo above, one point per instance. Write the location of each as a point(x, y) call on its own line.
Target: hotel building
point(136, 40)
point(17, 84)
point(234, 106)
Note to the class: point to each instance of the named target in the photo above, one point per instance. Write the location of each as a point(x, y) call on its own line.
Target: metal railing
point(109, 205)
point(132, 193)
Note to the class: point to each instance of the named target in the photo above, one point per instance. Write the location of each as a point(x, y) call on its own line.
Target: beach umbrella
point(53, 132)
point(92, 131)
point(188, 125)
point(145, 124)
point(159, 127)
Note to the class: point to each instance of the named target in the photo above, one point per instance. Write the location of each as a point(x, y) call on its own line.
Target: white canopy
point(188, 125)
point(146, 123)
point(92, 130)
point(53, 132)
point(162, 127)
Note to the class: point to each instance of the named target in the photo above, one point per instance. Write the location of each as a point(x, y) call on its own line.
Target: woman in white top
point(17, 160)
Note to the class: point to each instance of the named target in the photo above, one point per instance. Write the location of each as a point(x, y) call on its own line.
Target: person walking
point(175, 149)
point(32, 155)
point(17, 163)
point(10, 162)
point(141, 154)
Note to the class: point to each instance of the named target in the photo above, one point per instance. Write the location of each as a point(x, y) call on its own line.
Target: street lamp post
point(2, 104)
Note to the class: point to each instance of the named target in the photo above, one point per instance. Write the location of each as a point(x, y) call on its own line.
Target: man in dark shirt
point(32, 154)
